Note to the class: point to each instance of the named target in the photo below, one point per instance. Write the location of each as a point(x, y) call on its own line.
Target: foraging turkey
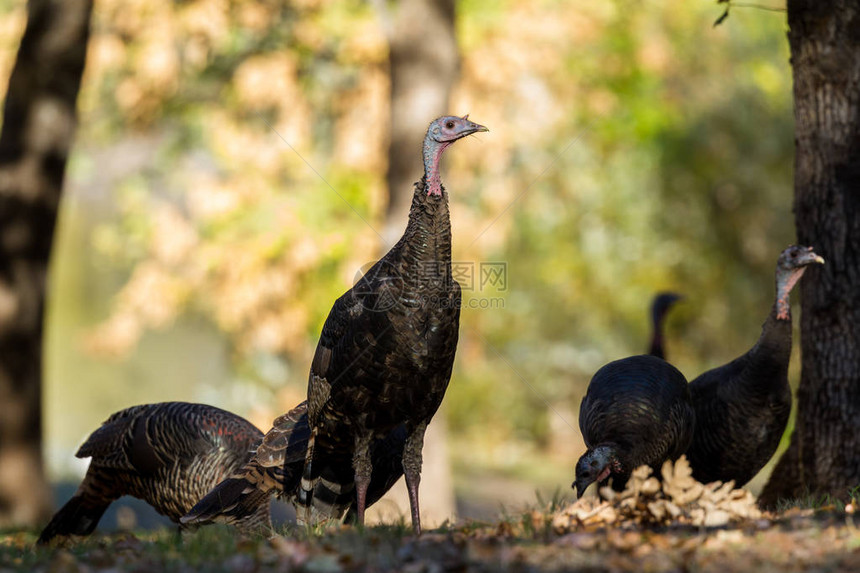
point(386, 350)
point(742, 407)
point(169, 455)
point(275, 470)
point(636, 411)
point(660, 307)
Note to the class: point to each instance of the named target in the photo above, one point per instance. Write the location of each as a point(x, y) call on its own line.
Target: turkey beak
point(580, 488)
point(810, 257)
point(473, 127)
point(466, 128)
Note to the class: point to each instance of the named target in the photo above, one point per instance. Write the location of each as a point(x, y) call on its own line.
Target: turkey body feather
point(384, 357)
point(639, 409)
point(169, 455)
point(742, 408)
point(275, 469)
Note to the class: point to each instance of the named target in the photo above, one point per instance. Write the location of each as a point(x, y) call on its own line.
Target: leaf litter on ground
point(676, 499)
point(669, 524)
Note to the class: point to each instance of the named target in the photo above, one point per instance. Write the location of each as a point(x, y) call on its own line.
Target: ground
point(662, 521)
point(796, 540)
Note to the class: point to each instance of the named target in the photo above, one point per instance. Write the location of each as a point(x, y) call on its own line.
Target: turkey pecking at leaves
point(276, 468)
point(742, 407)
point(636, 411)
point(661, 305)
point(169, 455)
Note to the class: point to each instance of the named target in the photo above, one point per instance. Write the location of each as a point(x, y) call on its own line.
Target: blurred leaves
point(633, 148)
point(214, 233)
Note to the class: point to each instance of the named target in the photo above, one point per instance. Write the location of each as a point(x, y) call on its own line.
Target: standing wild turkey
point(386, 349)
point(659, 308)
point(379, 373)
point(169, 455)
point(742, 407)
point(636, 411)
point(276, 468)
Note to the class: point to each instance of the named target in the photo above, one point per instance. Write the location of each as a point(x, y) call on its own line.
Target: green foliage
point(229, 179)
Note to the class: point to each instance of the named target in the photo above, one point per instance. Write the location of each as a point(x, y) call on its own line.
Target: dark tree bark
point(824, 455)
point(38, 127)
point(424, 62)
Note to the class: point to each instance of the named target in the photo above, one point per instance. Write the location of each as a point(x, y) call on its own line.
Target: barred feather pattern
point(168, 454)
point(276, 469)
point(273, 469)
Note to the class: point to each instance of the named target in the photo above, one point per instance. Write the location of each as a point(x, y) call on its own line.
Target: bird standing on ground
point(379, 373)
point(742, 407)
point(387, 348)
point(636, 411)
point(169, 455)
point(660, 307)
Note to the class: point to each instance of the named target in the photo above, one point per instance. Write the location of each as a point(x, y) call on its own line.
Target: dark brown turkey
point(378, 376)
point(169, 455)
point(386, 350)
point(276, 468)
point(636, 411)
point(742, 407)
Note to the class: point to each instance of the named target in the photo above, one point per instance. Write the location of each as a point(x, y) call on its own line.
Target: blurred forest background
point(634, 147)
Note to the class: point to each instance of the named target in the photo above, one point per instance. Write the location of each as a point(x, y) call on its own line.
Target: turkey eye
point(594, 463)
point(450, 125)
point(793, 254)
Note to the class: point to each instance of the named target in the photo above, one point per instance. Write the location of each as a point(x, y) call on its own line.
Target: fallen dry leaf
point(677, 499)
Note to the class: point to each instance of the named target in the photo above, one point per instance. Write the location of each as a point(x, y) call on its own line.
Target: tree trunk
point(38, 128)
point(424, 62)
point(824, 455)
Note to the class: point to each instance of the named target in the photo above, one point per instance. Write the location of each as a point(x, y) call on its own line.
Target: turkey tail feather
point(306, 486)
point(235, 501)
point(79, 516)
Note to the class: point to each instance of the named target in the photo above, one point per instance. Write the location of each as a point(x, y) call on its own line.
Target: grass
point(817, 501)
point(525, 540)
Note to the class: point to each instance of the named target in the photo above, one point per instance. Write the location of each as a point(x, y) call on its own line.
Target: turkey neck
point(768, 360)
point(776, 332)
point(425, 247)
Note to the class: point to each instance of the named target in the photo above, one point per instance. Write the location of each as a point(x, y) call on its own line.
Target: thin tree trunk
point(824, 455)
point(38, 127)
point(424, 62)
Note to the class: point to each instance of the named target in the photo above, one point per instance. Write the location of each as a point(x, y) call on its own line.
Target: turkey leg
point(363, 470)
point(412, 470)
